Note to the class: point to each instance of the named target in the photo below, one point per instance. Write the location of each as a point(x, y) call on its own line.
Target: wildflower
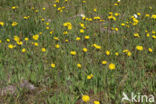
point(87, 37)
point(14, 24)
point(1, 23)
point(94, 9)
point(43, 8)
point(16, 38)
point(35, 44)
point(13, 7)
point(73, 53)
point(97, 18)
point(104, 62)
point(111, 66)
point(85, 98)
point(43, 49)
point(116, 53)
point(0, 41)
point(81, 31)
point(97, 46)
point(26, 39)
point(51, 32)
point(57, 46)
point(23, 50)
point(96, 102)
point(66, 40)
point(79, 65)
point(65, 32)
point(153, 16)
point(53, 65)
point(35, 37)
point(139, 48)
point(8, 40)
point(11, 46)
point(129, 53)
point(54, 5)
point(147, 34)
point(153, 36)
point(85, 49)
point(107, 53)
point(150, 49)
point(90, 76)
point(19, 42)
point(68, 25)
point(78, 38)
point(56, 38)
point(136, 35)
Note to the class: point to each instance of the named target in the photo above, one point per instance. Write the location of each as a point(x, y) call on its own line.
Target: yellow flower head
point(23, 50)
point(79, 65)
point(111, 66)
point(14, 24)
point(139, 48)
point(104, 62)
point(96, 102)
point(73, 53)
point(107, 53)
point(85, 98)
point(57, 46)
point(85, 49)
point(53, 65)
point(43, 49)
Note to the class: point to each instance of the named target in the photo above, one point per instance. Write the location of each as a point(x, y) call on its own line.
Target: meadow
point(76, 51)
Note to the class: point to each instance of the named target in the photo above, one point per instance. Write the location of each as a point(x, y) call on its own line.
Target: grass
point(65, 82)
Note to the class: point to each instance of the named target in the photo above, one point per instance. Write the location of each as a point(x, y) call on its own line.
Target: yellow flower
point(78, 38)
point(153, 36)
point(54, 5)
point(1, 23)
point(90, 76)
point(111, 66)
point(96, 102)
point(23, 50)
point(153, 16)
point(0, 41)
point(53, 65)
point(147, 34)
point(43, 49)
point(73, 52)
point(79, 65)
point(94, 9)
point(68, 25)
point(26, 39)
point(87, 37)
point(35, 37)
point(85, 98)
point(13, 7)
point(85, 49)
point(8, 40)
point(16, 38)
point(107, 53)
point(11, 46)
point(150, 49)
point(129, 53)
point(14, 24)
point(97, 46)
point(104, 62)
point(139, 48)
point(65, 32)
point(19, 42)
point(116, 53)
point(136, 35)
point(56, 38)
point(57, 46)
point(35, 44)
point(97, 18)
point(81, 31)
point(43, 8)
